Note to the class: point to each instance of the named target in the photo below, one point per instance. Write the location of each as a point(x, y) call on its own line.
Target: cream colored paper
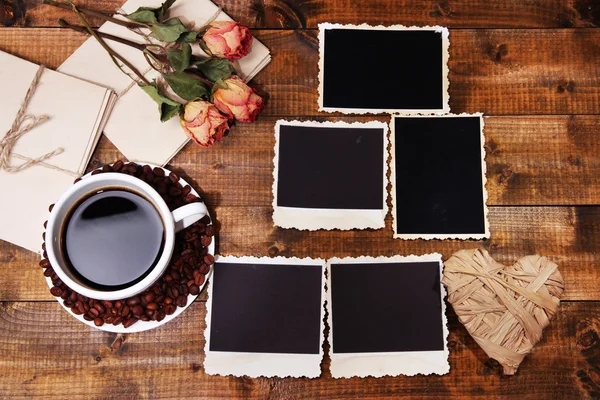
point(344, 219)
point(77, 111)
point(135, 127)
point(445, 56)
point(428, 236)
point(264, 364)
point(347, 365)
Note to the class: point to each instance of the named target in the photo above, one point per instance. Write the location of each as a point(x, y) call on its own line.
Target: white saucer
point(141, 326)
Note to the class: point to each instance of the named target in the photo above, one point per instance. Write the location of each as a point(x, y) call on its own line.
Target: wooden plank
point(498, 72)
point(307, 14)
point(570, 236)
point(565, 170)
point(46, 353)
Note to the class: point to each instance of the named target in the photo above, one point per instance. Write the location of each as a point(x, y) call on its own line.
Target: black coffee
point(112, 239)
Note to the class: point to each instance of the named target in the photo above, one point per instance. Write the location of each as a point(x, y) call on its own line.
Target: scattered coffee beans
point(184, 275)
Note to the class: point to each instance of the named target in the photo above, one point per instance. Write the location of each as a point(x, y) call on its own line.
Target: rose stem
point(113, 55)
point(83, 29)
point(98, 14)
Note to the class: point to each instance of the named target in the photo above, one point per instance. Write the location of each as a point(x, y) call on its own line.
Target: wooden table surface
point(533, 68)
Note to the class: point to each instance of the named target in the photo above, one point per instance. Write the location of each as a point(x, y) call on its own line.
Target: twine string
point(22, 124)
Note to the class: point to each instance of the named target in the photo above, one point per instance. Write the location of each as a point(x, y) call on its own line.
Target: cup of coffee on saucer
point(111, 235)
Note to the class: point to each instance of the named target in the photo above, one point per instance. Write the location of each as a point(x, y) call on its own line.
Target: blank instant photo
point(330, 175)
point(438, 177)
point(265, 317)
point(376, 69)
point(387, 316)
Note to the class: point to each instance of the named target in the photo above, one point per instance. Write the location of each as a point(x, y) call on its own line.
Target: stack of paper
point(134, 126)
point(77, 112)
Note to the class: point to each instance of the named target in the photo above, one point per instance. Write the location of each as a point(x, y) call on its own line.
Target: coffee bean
point(173, 177)
point(160, 315)
point(45, 263)
point(181, 301)
point(117, 166)
point(96, 172)
point(194, 290)
point(158, 171)
point(186, 190)
point(87, 317)
point(56, 291)
point(107, 168)
point(125, 311)
point(169, 309)
point(107, 304)
point(109, 319)
point(93, 312)
point(137, 310)
point(211, 230)
point(98, 322)
point(75, 311)
point(73, 297)
point(130, 321)
point(168, 300)
point(64, 295)
point(45, 224)
point(50, 208)
point(206, 240)
point(152, 306)
point(209, 259)
point(118, 304)
point(204, 269)
point(133, 301)
point(199, 280)
point(100, 308)
point(174, 191)
point(117, 321)
point(147, 169)
point(149, 297)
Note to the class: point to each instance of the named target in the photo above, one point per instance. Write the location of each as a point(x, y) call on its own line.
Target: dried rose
point(203, 123)
point(238, 100)
point(227, 39)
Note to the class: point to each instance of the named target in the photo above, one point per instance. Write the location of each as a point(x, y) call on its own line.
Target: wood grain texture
point(569, 236)
point(309, 13)
point(497, 72)
point(48, 354)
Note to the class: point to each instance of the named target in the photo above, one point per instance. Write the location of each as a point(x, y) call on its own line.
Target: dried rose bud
point(238, 100)
point(227, 39)
point(203, 123)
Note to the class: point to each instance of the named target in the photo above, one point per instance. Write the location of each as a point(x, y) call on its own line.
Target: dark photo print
point(438, 186)
point(412, 78)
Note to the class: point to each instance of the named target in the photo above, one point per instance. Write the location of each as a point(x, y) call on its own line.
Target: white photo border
point(410, 363)
point(269, 365)
point(315, 218)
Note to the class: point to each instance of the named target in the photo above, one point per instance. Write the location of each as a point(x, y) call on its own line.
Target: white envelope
point(135, 127)
point(77, 112)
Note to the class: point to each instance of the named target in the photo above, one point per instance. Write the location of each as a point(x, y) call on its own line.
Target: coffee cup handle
point(186, 215)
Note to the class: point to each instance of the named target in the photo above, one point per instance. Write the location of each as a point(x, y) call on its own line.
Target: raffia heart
point(505, 309)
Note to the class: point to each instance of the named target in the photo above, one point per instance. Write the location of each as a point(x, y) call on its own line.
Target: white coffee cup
point(172, 221)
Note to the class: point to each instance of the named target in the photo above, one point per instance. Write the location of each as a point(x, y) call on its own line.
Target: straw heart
point(504, 308)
